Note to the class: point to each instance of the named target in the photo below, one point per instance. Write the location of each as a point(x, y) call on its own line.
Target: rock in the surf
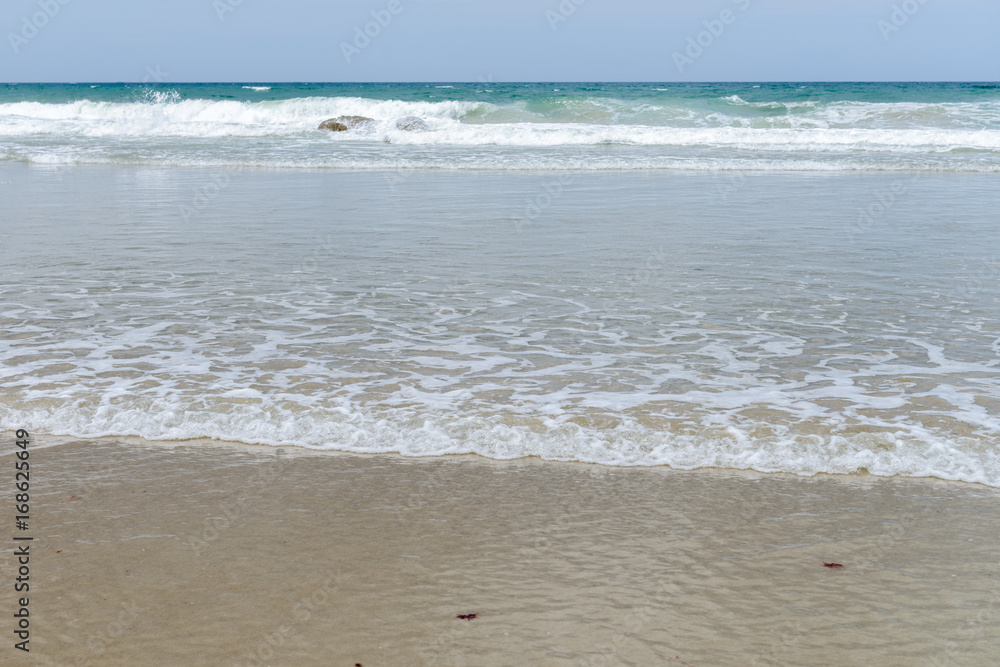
point(344, 123)
point(411, 124)
point(333, 126)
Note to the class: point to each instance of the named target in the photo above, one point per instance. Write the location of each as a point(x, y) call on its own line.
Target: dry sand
point(206, 553)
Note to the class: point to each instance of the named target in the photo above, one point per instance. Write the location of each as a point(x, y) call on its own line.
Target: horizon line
point(541, 81)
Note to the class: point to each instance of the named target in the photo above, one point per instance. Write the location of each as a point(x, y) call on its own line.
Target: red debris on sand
point(833, 565)
point(467, 617)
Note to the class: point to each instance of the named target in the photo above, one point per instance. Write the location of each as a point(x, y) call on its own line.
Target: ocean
point(781, 277)
point(766, 127)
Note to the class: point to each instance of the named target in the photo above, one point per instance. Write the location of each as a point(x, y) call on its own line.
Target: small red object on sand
point(833, 565)
point(467, 617)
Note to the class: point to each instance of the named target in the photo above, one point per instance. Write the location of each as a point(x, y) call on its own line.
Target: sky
point(498, 40)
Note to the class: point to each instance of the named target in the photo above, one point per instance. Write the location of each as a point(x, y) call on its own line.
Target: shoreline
point(305, 450)
point(714, 172)
point(209, 553)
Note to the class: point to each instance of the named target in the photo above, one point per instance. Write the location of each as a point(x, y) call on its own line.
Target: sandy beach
point(480, 334)
point(207, 553)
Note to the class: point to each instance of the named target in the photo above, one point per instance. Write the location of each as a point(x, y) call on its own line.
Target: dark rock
point(333, 126)
point(344, 123)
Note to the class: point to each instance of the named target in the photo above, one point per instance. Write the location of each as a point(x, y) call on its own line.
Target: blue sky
point(516, 40)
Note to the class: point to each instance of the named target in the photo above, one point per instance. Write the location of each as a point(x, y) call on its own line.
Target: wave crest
point(159, 126)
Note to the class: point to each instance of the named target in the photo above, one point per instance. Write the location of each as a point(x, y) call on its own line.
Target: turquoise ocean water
point(768, 126)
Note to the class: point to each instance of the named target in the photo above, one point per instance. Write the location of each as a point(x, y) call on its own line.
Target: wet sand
point(206, 553)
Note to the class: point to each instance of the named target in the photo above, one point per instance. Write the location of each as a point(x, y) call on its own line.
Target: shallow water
point(637, 318)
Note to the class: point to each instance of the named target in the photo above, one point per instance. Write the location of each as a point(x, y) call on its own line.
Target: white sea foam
point(414, 372)
point(201, 119)
point(162, 128)
point(889, 454)
point(205, 118)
